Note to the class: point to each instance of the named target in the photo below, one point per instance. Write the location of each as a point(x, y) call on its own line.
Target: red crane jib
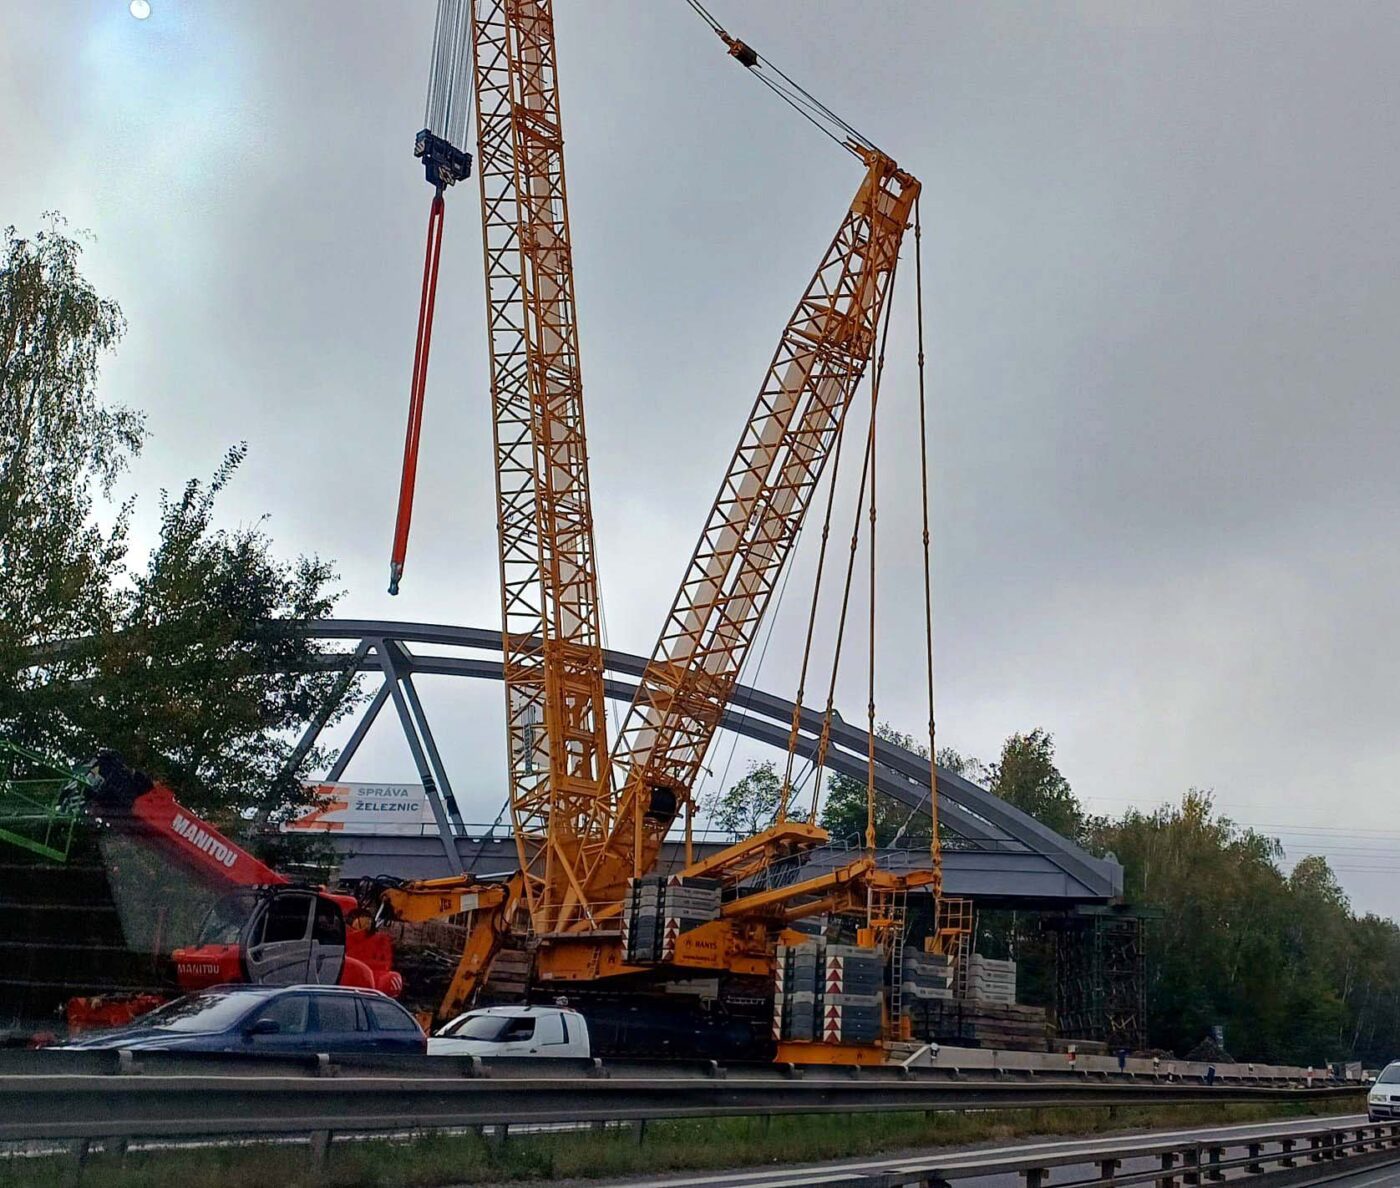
point(196, 843)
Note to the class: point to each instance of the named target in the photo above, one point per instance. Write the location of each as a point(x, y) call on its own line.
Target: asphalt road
point(1385, 1178)
point(1123, 1144)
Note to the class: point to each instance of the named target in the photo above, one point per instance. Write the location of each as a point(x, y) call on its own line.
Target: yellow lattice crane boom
point(752, 526)
point(552, 644)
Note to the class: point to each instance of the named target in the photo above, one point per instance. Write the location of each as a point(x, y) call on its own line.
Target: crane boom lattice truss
point(549, 586)
point(751, 529)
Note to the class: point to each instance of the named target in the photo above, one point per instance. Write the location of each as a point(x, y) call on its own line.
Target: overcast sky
point(1161, 286)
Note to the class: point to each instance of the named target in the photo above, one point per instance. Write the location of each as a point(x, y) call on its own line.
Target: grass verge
point(432, 1161)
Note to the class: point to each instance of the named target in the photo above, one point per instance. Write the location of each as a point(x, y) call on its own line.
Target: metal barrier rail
point(81, 1096)
point(1294, 1157)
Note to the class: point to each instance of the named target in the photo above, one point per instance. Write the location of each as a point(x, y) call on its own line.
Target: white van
point(513, 1031)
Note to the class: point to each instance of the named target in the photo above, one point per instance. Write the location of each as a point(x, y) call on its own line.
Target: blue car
point(276, 1019)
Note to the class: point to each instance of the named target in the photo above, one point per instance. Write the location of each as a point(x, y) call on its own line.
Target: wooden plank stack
point(1006, 1026)
point(507, 978)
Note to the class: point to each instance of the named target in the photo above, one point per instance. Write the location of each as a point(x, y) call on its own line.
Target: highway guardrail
point(119, 1096)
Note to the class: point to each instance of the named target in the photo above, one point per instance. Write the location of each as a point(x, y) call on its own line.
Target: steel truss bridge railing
point(996, 852)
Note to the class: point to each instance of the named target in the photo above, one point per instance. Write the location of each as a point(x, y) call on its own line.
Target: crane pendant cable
point(445, 162)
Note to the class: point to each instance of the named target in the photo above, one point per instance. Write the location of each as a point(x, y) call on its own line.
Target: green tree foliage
point(1279, 959)
point(58, 446)
point(843, 813)
point(1027, 777)
point(748, 805)
point(190, 664)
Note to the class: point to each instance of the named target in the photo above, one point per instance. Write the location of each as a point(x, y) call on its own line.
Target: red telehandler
point(262, 928)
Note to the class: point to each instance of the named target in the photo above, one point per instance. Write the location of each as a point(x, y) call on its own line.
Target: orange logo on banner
point(329, 802)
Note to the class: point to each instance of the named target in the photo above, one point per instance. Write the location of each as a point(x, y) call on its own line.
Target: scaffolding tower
point(1101, 975)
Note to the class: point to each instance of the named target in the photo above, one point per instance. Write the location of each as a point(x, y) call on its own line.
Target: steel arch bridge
point(996, 855)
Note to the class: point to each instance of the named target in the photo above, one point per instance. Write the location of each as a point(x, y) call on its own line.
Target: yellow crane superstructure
point(588, 821)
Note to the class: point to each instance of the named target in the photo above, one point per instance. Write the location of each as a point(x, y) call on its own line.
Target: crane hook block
point(442, 163)
point(744, 53)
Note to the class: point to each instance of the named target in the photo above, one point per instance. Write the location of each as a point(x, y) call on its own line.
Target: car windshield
point(202, 1012)
point(479, 1027)
point(1391, 1075)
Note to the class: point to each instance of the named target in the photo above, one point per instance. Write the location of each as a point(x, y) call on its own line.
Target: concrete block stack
point(991, 981)
point(926, 985)
point(798, 974)
point(853, 995)
point(833, 993)
point(659, 908)
point(926, 976)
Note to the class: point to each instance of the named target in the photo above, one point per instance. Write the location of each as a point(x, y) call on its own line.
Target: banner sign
point(393, 809)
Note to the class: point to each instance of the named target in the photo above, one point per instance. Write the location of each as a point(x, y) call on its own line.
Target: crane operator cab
point(271, 936)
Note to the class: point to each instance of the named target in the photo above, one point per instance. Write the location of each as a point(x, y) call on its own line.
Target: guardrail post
point(1191, 1165)
point(1213, 1156)
point(1167, 1180)
point(1315, 1149)
point(1035, 1177)
point(1107, 1167)
point(1255, 1168)
point(1287, 1160)
point(320, 1147)
point(641, 1131)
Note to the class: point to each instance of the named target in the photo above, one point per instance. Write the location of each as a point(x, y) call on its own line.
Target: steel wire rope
point(935, 844)
point(751, 684)
point(445, 110)
point(812, 615)
point(870, 673)
point(878, 356)
point(791, 92)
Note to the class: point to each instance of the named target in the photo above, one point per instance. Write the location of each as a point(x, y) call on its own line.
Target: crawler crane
point(585, 909)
